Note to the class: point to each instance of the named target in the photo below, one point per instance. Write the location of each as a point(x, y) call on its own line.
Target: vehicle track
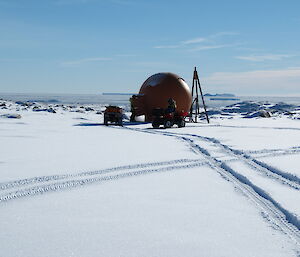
point(42, 179)
point(295, 149)
point(247, 127)
point(285, 178)
point(273, 154)
point(278, 216)
point(69, 183)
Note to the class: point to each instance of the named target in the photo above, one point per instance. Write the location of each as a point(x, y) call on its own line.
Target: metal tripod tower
point(195, 107)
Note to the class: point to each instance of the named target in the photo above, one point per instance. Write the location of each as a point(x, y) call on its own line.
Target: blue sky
point(94, 46)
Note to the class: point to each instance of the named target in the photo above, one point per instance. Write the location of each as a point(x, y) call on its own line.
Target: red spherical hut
point(157, 89)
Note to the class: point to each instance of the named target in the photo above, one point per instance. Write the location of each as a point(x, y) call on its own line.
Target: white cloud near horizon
point(266, 57)
point(284, 81)
point(197, 42)
point(194, 41)
point(85, 60)
point(208, 47)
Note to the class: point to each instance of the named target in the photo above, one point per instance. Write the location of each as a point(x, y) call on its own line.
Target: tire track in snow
point(231, 126)
point(278, 216)
point(274, 152)
point(43, 179)
point(277, 154)
point(72, 183)
point(285, 178)
point(295, 149)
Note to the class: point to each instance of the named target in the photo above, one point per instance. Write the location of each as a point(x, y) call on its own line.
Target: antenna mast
point(195, 107)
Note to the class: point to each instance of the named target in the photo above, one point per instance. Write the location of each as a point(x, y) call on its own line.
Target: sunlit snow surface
point(70, 186)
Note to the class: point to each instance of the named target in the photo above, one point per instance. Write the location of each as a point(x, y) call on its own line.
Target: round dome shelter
point(157, 89)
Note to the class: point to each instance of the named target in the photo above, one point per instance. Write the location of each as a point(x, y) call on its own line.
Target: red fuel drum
point(156, 91)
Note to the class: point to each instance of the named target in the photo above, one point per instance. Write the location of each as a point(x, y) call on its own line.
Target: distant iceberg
point(220, 95)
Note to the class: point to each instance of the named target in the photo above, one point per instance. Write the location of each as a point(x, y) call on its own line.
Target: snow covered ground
point(70, 186)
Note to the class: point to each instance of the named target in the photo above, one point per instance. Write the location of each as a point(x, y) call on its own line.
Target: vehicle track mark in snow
point(294, 149)
point(277, 154)
point(285, 178)
point(274, 152)
point(42, 179)
point(59, 186)
point(231, 126)
point(272, 172)
point(275, 213)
